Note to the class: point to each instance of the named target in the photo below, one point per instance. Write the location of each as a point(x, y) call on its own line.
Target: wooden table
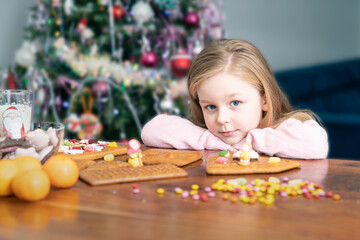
point(114, 212)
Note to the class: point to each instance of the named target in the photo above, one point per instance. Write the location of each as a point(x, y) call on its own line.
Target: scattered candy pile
point(258, 190)
point(73, 146)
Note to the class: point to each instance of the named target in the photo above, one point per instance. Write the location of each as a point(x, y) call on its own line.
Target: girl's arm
point(291, 139)
point(166, 131)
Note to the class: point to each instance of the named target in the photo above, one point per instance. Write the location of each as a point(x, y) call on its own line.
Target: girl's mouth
point(227, 134)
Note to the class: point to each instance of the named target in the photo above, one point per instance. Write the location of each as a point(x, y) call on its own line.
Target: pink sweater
point(291, 139)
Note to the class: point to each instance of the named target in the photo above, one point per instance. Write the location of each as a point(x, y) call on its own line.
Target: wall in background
point(13, 17)
point(297, 33)
point(290, 34)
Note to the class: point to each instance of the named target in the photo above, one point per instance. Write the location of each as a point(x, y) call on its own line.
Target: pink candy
point(211, 194)
point(136, 190)
point(185, 194)
point(196, 197)
point(222, 160)
point(89, 148)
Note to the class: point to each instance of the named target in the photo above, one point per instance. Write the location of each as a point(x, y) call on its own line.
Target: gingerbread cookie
point(175, 157)
point(122, 174)
point(261, 166)
point(82, 164)
point(107, 165)
point(83, 155)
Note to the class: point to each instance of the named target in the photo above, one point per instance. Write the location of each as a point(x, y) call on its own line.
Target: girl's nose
point(223, 116)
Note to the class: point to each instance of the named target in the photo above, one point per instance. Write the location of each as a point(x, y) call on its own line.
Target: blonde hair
point(241, 59)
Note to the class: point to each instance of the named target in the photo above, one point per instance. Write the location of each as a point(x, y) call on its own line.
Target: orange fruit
point(8, 171)
point(32, 185)
point(63, 171)
point(27, 163)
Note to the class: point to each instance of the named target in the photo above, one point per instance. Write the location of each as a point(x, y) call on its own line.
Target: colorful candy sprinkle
point(112, 144)
point(109, 157)
point(195, 187)
point(336, 197)
point(211, 194)
point(185, 194)
point(224, 154)
point(204, 197)
point(222, 160)
point(196, 197)
point(160, 191)
point(178, 190)
point(274, 159)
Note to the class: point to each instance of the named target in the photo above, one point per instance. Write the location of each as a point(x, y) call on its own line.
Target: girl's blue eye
point(235, 103)
point(210, 107)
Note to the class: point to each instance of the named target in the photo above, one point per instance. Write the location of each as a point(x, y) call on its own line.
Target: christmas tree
point(105, 68)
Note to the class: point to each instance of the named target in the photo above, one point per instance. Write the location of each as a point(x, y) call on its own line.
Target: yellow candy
point(274, 180)
point(271, 190)
point(262, 199)
point(109, 157)
point(220, 181)
point(160, 191)
point(243, 187)
point(257, 181)
point(294, 182)
point(269, 196)
point(244, 199)
point(274, 159)
point(112, 144)
point(268, 201)
point(195, 187)
point(230, 188)
point(259, 194)
point(193, 192)
point(178, 190)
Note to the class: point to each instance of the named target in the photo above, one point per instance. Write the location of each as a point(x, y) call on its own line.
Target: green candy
point(241, 181)
point(224, 153)
point(66, 143)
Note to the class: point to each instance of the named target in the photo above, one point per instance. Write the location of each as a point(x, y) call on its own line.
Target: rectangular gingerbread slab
point(260, 166)
point(171, 156)
point(119, 150)
point(82, 164)
point(130, 174)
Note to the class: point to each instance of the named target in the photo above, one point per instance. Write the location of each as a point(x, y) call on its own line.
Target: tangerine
point(32, 185)
point(63, 171)
point(27, 163)
point(8, 171)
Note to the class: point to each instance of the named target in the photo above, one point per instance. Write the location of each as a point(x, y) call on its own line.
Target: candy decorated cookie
point(90, 149)
point(262, 165)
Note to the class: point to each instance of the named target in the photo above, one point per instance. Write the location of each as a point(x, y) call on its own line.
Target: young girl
point(234, 99)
